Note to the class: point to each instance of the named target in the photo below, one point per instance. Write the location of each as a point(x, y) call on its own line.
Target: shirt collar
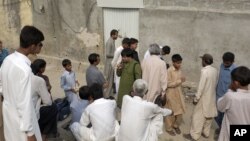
point(229, 68)
point(207, 66)
point(137, 98)
point(25, 58)
point(242, 91)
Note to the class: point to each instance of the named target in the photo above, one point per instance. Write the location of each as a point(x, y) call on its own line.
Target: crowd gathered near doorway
point(148, 93)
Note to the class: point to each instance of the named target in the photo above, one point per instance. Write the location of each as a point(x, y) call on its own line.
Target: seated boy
point(101, 114)
point(78, 105)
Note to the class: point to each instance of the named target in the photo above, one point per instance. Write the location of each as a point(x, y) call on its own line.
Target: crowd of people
point(148, 93)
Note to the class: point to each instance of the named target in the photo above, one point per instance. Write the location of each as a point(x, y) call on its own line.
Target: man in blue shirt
point(3, 53)
point(224, 81)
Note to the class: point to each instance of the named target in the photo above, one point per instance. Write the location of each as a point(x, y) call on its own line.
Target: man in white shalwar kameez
point(101, 115)
point(205, 101)
point(117, 60)
point(154, 72)
point(235, 103)
point(140, 120)
point(19, 117)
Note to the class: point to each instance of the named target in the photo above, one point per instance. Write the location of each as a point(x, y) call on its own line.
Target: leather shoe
point(172, 133)
point(188, 137)
point(177, 130)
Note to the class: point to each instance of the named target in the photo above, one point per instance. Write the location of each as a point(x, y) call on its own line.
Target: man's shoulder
point(38, 80)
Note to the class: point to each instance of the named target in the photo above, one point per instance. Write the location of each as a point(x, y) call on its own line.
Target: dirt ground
point(54, 71)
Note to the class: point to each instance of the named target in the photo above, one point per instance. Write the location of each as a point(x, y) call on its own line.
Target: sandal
point(177, 130)
point(172, 133)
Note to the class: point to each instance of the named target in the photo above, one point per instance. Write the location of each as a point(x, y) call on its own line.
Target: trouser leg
point(207, 126)
point(198, 120)
point(177, 121)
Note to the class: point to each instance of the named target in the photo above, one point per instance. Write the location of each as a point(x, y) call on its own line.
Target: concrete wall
point(13, 15)
point(73, 29)
point(192, 28)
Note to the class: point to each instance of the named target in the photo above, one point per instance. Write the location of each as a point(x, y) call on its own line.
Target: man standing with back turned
point(20, 121)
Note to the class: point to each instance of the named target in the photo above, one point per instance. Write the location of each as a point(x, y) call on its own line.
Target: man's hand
point(183, 79)
point(31, 138)
point(73, 90)
point(195, 101)
point(105, 85)
point(78, 84)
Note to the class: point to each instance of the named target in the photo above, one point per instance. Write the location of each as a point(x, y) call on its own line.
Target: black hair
point(133, 41)
point(93, 58)
point(66, 62)
point(228, 56)
point(242, 75)
point(30, 35)
point(126, 41)
point(127, 52)
point(113, 32)
point(96, 91)
point(37, 65)
point(166, 49)
point(176, 58)
point(84, 92)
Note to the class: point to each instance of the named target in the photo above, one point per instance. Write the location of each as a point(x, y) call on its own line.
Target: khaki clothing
point(200, 124)
point(172, 121)
point(175, 99)
point(154, 72)
point(206, 93)
point(205, 109)
point(108, 70)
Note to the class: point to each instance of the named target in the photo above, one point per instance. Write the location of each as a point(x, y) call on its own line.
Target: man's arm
point(44, 93)
point(24, 103)
point(63, 84)
point(116, 57)
point(201, 86)
point(31, 138)
point(164, 78)
point(224, 102)
point(173, 83)
point(85, 118)
point(109, 46)
point(138, 71)
point(163, 111)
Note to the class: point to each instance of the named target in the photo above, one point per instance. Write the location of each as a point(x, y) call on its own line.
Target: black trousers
point(48, 119)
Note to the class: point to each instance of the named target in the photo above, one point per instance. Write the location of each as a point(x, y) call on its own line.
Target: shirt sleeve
point(101, 78)
point(109, 46)
point(44, 94)
point(224, 103)
point(25, 107)
point(171, 82)
point(138, 71)
point(1, 85)
point(63, 83)
point(115, 59)
point(163, 111)
point(201, 85)
point(85, 118)
point(164, 78)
